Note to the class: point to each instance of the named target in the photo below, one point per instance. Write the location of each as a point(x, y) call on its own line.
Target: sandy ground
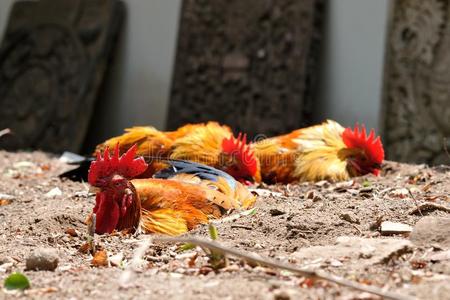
point(287, 221)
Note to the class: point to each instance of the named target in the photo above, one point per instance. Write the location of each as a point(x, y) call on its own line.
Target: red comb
point(370, 144)
point(125, 165)
point(239, 148)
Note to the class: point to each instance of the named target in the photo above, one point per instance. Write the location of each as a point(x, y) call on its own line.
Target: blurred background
point(163, 63)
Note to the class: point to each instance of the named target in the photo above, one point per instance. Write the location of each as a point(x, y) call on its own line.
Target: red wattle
point(123, 206)
point(107, 213)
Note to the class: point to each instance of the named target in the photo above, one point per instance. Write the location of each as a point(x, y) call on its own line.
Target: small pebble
point(116, 260)
point(42, 259)
point(5, 259)
point(7, 197)
point(323, 183)
point(53, 193)
point(276, 212)
point(389, 228)
point(258, 246)
point(6, 267)
point(24, 164)
point(176, 275)
point(231, 268)
point(335, 263)
point(349, 217)
point(281, 295)
point(367, 189)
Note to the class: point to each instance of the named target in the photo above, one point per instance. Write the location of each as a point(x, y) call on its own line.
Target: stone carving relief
point(52, 61)
point(250, 64)
point(417, 82)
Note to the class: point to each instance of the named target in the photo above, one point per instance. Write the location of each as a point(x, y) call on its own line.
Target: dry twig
point(241, 226)
point(415, 202)
point(127, 276)
point(254, 258)
point(91, 224)
point(429, 206)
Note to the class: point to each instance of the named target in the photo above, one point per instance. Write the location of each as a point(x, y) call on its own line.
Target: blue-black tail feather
point(193, 168)
point(175, 167)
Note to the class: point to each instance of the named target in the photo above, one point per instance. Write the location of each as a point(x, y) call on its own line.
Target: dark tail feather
point(80, 173)
point(174, 167)
point(189, 167)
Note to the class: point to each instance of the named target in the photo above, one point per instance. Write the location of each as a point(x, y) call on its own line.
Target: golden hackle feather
point(203, 144)
point(149, 141)
point(308, 154)
point(183, 131)
point(322, 153)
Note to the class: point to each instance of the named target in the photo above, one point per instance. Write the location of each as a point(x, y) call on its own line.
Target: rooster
point(322, 152)
point(211, 144)
point(177, 199)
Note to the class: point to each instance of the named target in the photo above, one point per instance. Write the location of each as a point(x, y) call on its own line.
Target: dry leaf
point(307, 282)
point(85, 248)
point(45, 167)
point(433, 198)
point(427, 187)
point(416, 279)
point(205, 270)
point(4, 202)
point(365, 281)
point(49, 290)
point(418, 264)
point(191, 262)
point(100, 259)
point(72, 232)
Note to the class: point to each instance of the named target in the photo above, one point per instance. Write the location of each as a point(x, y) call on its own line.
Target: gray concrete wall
point(350, 85)
point(138, 89)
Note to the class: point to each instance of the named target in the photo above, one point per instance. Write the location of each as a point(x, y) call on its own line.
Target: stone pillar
point(248, 63)
point(416, 104)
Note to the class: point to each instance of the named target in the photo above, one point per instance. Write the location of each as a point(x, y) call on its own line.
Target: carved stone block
point(249, 64)
point(52, 62)
point(417, 82)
